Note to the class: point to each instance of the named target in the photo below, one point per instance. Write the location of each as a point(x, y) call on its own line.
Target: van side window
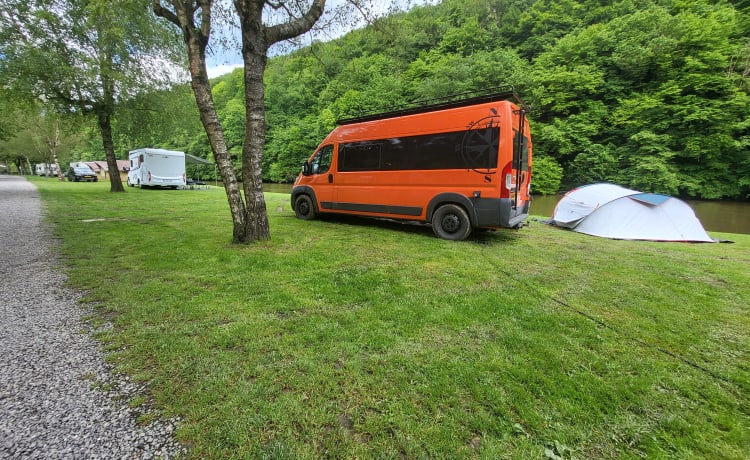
point(470, 149)
point(360, 156)
point(321, 162)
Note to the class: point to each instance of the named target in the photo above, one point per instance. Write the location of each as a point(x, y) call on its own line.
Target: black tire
point(304, 208)
point(451, 222)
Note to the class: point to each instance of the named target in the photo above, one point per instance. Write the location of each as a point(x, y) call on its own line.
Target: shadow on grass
point(481, 236)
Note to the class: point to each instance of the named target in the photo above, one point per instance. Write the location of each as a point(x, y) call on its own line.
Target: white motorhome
point(156, 168)
point(45, 169)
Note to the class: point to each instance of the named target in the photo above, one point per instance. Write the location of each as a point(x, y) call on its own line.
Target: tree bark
point(256, 39)
point(254, 49)
point(104, 119)
point(250, 217)
point(210, 119)
point(196, 40)
point(53, 144)
point(105, 108)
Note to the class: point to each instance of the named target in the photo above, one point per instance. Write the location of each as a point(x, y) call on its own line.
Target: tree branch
point(294, 28)
point(184, 17)
point(160, 11)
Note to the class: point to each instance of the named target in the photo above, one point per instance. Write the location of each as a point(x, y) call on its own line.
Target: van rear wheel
point(303, 208)
point(451, 222)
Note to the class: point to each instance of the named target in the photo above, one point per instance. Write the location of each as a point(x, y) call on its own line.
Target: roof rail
point(500, 93)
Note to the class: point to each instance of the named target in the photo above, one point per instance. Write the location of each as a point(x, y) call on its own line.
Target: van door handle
point(330, 178)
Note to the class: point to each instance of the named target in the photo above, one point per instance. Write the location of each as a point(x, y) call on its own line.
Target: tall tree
point(257, 38)
point(84, 55)
point(194, 18)
point(51, 142)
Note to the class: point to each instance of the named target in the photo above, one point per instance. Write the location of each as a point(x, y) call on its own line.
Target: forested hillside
point(648, 94)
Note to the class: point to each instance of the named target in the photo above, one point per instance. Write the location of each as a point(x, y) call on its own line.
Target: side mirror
point(306, 169)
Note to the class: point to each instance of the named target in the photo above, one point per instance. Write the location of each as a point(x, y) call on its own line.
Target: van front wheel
point(303, 208)
point(451, 222)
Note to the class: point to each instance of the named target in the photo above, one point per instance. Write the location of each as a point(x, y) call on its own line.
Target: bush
point(546, 176)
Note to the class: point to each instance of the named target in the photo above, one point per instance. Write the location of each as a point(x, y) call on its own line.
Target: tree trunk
point(254, 50)
point(106, 107)
point(256, 38)
point(105, 127)
point(254, 56)
point(196, 37)
point(204, 99)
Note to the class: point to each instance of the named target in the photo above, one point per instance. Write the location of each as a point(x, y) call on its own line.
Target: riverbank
point(716, 216)
point(355, 338)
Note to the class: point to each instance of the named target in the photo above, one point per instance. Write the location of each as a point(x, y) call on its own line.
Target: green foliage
point(86, 57)
point(156, 118)
point(34, 129)
point(595, 163)
point(650, 94)
point(670, 112)
point(547, 176)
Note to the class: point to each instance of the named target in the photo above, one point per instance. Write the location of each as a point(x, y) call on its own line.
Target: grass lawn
point(352, 338)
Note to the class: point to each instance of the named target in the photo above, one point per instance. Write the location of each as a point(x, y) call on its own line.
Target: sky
point(222, 60)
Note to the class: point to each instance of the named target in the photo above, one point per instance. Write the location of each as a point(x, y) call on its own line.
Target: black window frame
point(444, 150)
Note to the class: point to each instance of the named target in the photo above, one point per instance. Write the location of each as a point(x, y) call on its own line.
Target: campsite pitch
point(342, 338)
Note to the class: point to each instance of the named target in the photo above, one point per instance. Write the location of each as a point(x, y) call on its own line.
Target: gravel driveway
point(50, 367)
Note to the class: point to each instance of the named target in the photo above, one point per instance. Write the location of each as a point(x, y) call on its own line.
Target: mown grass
point(347, 338)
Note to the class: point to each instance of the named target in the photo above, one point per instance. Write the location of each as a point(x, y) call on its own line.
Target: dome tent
point(611, 211)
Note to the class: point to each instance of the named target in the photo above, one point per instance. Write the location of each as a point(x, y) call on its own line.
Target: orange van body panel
point(407, 194)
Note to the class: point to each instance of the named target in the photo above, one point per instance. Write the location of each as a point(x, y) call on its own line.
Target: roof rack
point(449, 102)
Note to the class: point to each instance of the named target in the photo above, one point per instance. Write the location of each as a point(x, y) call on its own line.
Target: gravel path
point(50, 367)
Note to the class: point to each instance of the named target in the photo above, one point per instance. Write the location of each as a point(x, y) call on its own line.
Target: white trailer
point(45, 169)
point(156, 168)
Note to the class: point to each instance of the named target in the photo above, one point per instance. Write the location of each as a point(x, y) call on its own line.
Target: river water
point(716, 216)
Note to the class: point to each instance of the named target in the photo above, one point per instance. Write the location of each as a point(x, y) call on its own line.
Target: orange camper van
point(458, 165)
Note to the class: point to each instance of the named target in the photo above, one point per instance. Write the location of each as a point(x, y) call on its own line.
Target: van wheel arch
point(452, 198)
point(304, 204)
